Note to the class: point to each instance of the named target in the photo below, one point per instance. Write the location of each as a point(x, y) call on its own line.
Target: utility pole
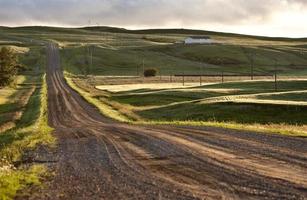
point(171, 76)
point(275, 75)
point(85, 62)
point(183, 79)
point(200, 75)
point(160, 72)
point(91, 59)
point(143, 65)
point(250, 57)
point(222, 76)
point(252, 65)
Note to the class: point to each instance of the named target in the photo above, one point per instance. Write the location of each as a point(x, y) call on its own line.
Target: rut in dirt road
point(98, 158)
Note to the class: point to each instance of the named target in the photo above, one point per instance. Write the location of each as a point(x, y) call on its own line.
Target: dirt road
point(98, 158)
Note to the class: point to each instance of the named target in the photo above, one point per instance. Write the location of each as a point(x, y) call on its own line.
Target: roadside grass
point(104, 107)
point(12, 181)
point(31, 130)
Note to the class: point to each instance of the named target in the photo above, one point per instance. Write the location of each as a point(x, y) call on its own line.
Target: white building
point(198, 40)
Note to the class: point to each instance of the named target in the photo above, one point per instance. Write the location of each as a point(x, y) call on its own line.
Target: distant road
point(98, 158)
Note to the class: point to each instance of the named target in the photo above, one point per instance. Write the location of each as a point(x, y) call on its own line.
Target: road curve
point(98, 158)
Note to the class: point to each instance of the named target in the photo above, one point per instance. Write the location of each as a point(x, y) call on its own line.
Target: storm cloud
point(202, 14)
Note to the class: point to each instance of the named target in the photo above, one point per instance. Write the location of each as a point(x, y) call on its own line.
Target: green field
point(123, 52)
point(23, 122)
point(249, 105)
point(222, 106)
point(184, 59)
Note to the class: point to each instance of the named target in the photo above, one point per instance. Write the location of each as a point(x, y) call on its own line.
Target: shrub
point(150, 72)
point(21, 68)
point(8, 69)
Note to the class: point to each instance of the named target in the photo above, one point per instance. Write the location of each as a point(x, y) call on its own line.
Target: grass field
point(185, 59)
point(123, 52)
point(30, 131)
point(249, 105)
point(23, 124)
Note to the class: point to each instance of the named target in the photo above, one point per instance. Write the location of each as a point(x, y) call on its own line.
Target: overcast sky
point(258, 17)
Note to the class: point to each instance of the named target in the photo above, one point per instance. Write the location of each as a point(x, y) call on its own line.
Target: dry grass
point(151, 86)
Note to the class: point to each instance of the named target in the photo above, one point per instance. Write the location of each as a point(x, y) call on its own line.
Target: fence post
point(222, 77)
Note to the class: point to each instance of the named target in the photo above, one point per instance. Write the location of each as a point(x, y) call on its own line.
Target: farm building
point(198, 40)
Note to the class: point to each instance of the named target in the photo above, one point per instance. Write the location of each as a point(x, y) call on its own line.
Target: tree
point(8, 66)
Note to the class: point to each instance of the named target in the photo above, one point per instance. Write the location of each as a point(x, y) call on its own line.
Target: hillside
point(118, 51)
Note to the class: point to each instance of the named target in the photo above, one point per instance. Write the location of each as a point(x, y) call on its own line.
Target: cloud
point(144, 13)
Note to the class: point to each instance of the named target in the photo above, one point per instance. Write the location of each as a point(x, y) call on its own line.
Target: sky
point(286, 18)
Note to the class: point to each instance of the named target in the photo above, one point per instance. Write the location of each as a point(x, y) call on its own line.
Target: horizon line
point(156, 28)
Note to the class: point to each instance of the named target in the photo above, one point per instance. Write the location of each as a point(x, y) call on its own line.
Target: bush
point(21, 68)
point(150, 72)
point(8, 69)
